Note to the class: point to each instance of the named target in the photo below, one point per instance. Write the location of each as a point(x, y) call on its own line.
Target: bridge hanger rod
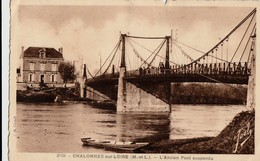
point(250, 36)
point(244, 36)
point(218, 58)
point(199, 51)
point(249, 55)
point(141, 37)
point(178, 46)
point(231, 32)
point(189, 46)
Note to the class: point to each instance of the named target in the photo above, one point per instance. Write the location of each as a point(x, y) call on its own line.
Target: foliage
point(67, 71)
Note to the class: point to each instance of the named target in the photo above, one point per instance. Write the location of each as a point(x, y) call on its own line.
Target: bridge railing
point(104, 76)
point(195, 68)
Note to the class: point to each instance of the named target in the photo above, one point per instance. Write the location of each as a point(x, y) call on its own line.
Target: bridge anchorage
point(141, 79)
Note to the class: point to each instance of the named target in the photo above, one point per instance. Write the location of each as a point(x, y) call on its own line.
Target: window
point(53, 78)
point(31, 66)
point(42, 53)
point(42, 66)
point(42, 78)
point(30, 77)
point(54, 67)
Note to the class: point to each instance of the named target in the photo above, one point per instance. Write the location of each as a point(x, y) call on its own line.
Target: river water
point(59, 127)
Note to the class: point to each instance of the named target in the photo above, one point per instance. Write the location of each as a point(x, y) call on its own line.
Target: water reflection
point(188, 121)
point(59, 127)
point(143, 126)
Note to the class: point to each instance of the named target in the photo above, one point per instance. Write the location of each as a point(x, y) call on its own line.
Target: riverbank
point(236, 138)
point(208, 93)
point(49, 95)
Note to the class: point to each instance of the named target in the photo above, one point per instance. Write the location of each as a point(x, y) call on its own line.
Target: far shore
point(186, 93)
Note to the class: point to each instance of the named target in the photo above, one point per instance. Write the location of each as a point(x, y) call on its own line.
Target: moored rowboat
point(113, 145)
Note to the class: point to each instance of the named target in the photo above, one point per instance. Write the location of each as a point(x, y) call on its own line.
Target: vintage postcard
point(133, 80)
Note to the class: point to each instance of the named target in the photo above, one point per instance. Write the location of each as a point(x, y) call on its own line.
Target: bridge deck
point(191, 77)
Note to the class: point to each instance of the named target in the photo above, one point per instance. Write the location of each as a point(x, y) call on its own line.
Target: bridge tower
point(132, 97)
point(82, 82)
point(167, 57)
point(121, 95)
point(251, 80)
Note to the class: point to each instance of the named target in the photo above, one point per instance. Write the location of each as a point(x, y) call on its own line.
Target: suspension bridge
point(139, 71)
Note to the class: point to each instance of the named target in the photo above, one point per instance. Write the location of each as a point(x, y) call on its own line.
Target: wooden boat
point(113, 145)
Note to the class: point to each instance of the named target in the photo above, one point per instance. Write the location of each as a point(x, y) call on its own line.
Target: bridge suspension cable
point(251, 48)
point(136, 53)
point(227, 36)
point(156, 54)
point(90, 73)
point(215, 48)
point(177, 41)
point(243, 37)
point(161, 45)
point(247, 43)
point(112, 58)
point(141, 37)
point(153, 52)
point(113, 51)
point(183, 52)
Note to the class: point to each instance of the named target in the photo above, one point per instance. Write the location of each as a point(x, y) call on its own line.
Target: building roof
point(33, 52)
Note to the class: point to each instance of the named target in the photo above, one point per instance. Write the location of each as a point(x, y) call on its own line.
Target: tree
point(67, 71)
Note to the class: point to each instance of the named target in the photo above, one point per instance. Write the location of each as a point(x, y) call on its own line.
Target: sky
point(91, 32)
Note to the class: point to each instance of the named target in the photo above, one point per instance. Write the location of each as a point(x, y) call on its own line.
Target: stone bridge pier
point(135, 97)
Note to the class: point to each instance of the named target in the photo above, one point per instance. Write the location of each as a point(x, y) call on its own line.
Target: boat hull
point(122, 146)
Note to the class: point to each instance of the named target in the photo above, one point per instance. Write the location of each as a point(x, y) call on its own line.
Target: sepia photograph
point(132, 81)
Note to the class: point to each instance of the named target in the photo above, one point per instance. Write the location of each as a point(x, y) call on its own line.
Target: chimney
point(22, 53)
point(85, 71)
